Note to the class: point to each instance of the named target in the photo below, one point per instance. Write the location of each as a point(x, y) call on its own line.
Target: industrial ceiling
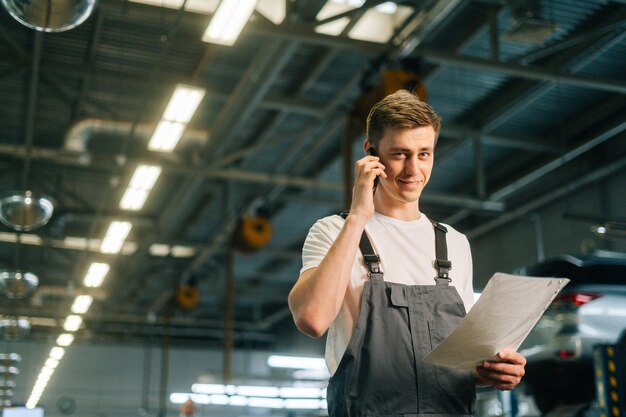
point(526, 120)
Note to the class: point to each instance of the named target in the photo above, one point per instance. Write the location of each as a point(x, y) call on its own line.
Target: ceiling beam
point(528, 72)
point(609, 129)
point(606, 133)
point(557, 193)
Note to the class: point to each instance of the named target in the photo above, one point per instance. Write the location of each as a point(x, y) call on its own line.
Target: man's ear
point(366, 145)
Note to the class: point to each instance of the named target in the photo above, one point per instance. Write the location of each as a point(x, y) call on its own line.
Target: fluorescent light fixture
point(334, 27)
point(57, 353)
point(228, 21)
point(178, 113)
point(65, 339)
point(220, 399)
point(166, 136)
point(377, 24)
point(46, 372)
point(95, 274)
point(72, 323)
point(352, 3)
point(302, 392)
point(32, 403)
point(183, 104)
point(198, 6)
point(208, 389)
point(81, 304)
point(257, 396)
point(316, 374)
point(274, 10)
point(380, 23)
point(333, 8)
point(133, 199)
point(159, 249)
point(296, 362)
point(51, 363)
point(183, 251)
point(237, 400)
point(141, 183)
point(181, 397)
point(388, 7)
point(265, 402)
point(145, 176)
point(257, 391)
point(42, 380)
point(115, 237)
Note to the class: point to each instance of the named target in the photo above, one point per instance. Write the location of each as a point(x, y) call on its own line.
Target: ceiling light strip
point(296, 362)
point(48, 369)
point(95, 274)
point(115, 237)
point(140, 185)
point(178, 113)
point(228, 21)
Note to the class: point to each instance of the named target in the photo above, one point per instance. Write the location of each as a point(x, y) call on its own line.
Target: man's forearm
point(316, 298)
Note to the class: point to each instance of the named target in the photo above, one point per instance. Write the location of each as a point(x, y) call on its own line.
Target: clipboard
point(507, 310)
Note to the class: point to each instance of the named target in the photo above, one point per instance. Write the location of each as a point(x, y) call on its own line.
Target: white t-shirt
point(407, 253)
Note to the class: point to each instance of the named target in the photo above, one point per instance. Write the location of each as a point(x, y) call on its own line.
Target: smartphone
point(372, 151)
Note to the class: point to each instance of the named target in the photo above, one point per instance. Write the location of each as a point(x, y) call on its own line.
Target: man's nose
point(411, 165)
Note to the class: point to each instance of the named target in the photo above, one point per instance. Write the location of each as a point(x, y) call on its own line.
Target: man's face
point(408, 156)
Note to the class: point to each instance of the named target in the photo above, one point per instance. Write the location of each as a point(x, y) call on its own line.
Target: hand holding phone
point(372, 151)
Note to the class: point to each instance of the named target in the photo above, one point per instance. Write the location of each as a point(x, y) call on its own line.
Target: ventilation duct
point(79, 135)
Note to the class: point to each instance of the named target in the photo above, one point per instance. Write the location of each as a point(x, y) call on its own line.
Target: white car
point(590, 310)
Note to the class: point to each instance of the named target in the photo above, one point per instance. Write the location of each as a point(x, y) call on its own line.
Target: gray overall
point(381, 372)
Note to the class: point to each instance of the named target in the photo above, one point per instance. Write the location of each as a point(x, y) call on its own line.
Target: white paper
point(507, 310)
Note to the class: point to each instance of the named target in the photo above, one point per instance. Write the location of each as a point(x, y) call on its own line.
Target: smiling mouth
point(416, 182)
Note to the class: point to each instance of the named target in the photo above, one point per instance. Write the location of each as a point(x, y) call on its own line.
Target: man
point(388, 284)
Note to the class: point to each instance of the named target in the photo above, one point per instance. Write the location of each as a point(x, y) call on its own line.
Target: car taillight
point(566, 354)
point(575, 299)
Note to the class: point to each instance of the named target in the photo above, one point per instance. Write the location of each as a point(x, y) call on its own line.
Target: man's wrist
point(357, 220)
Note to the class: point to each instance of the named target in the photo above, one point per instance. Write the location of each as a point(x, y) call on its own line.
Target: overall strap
point(441, 263)
point(371, 258)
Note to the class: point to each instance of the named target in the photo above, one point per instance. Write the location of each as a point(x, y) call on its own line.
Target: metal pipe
point(165, 367)
point(32, 104)
point(79, 135)
point(494, 45)
point(541, 252)
point(145, 386)
point(480, 169)
point(229, 316)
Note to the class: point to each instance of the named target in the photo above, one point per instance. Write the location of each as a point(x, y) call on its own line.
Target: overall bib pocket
point(449, 379)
